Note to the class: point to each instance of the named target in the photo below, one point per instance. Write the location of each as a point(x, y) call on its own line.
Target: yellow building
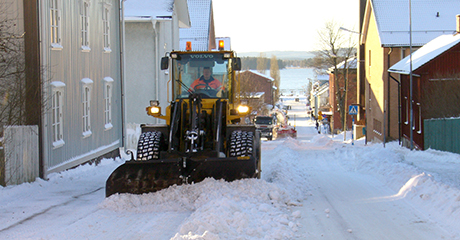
point(384, 41)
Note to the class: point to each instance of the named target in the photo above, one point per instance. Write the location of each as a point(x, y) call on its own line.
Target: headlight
point(243, 109)
point(153, 111)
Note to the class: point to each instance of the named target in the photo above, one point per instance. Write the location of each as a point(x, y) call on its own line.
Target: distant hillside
point(284, 55)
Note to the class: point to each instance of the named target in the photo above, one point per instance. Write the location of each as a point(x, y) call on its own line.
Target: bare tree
point(336, 47)
point(275, 74)
point(12, 75)
point(12, 70)
point(262, 63)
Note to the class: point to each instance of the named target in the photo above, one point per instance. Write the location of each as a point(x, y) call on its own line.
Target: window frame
point(86, 89)
point(57, 119)
point(55, 24)
point(85, 26)
point(106, 27)
point(108, 99)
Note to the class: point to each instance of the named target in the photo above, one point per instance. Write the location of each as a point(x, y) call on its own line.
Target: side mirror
point(164, 63)
point(237, 64)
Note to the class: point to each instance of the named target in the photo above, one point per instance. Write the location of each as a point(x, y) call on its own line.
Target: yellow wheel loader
point(203, 137)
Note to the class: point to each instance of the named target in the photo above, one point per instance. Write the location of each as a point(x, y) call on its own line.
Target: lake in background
point(295, 79)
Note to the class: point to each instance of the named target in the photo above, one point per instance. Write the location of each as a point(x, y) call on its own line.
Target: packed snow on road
point(312, 187)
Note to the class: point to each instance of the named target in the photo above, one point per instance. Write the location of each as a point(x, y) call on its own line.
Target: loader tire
point(241, 144)
point(149, 146)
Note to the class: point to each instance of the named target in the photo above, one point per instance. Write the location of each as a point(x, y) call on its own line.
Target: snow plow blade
point(138, 177)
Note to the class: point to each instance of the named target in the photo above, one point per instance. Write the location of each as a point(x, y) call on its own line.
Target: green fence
point(442, 134)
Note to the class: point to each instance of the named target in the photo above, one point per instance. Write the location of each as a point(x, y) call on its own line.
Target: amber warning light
point(188, 46)
point(221, 44)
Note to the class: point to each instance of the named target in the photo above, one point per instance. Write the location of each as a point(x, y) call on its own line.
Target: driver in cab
point(206, 81)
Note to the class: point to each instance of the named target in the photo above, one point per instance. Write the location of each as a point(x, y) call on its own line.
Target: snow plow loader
point(203, 136)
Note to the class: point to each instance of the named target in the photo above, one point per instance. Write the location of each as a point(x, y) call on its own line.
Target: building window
point(407, 111)
point(108, 82)
point(84, 21)
point(419, 118)
point(370, 60)
point(55, 24)
point(106, 27)
point(86, 105)
point(56, 111)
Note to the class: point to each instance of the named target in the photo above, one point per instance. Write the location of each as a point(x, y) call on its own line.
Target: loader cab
point(190, 67)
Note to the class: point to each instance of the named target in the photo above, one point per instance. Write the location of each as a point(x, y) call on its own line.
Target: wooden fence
point(442, 134)
point(21, 154)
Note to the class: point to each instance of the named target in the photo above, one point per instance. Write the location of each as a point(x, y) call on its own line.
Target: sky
point(273, 25)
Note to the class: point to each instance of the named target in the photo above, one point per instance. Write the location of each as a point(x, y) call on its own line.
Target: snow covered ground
point(312, 187)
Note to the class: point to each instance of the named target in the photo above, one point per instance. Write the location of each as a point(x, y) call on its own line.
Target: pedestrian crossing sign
point(353, 110)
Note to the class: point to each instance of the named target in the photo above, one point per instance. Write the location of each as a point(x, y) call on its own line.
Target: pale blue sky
point(274, 25)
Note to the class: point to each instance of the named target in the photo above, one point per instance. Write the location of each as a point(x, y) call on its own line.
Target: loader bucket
point(138, 177)
point(229, 169)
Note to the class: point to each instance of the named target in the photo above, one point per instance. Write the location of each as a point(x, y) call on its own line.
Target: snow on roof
point(429, 20)
point(352, 63)
point(142, 10)
point(323, 77)
point(255, 95)
point(426, 53)
point(200, 16)
point(147, 8)
point(260, 74)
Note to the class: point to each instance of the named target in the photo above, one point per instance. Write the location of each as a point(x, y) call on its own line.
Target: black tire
point(241, 144)
point(149, 146)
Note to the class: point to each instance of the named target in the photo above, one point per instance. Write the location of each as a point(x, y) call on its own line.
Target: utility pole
point(411, 125)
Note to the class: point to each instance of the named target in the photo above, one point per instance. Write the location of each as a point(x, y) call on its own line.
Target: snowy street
point(312, 187)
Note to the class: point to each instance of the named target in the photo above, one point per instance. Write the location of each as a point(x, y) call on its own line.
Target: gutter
point(399, 107)
point(122, 72)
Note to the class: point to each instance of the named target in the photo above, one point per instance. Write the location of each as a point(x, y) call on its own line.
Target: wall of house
point(351, 98)
point(141, 67)
point(69, 67)
point(432, 95)
point(146, 43)
point(374, 68)
point(251, 82)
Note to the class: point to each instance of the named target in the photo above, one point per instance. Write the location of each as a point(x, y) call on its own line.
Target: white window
point(407, 111)
point(56, 111)
point(84, 22)
point(419, 118)
point(108, 84)
point(55, 24)
point(106, 27)
point(86, 105)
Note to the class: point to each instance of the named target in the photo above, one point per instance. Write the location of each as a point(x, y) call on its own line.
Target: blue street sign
point(353, 110)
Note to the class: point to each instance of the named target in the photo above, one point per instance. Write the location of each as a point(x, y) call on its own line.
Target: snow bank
point(425, 178)
point(243, 209)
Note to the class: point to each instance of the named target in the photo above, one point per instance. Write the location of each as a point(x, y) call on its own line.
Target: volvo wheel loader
point(203, 137)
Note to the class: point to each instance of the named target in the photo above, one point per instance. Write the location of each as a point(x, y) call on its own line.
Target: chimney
point(458, 23)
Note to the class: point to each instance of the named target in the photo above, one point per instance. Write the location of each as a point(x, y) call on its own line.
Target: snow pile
point(251, 208)
point(425, 178)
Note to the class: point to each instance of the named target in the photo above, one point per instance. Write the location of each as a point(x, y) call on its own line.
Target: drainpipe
point(155, 62)
point(386, 110)
point(122, 71)
point(399, 107)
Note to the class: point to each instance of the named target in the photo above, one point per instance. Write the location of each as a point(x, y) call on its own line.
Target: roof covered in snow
point(158, 9)
point(352, 63)
point(426, 53)
point(429, 20)
point(323, 77)
point(260, 74)
point(202, 28)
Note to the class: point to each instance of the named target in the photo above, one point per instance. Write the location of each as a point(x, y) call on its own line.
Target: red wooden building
point(351, 90)
point(254, 82)
point(435, 86)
